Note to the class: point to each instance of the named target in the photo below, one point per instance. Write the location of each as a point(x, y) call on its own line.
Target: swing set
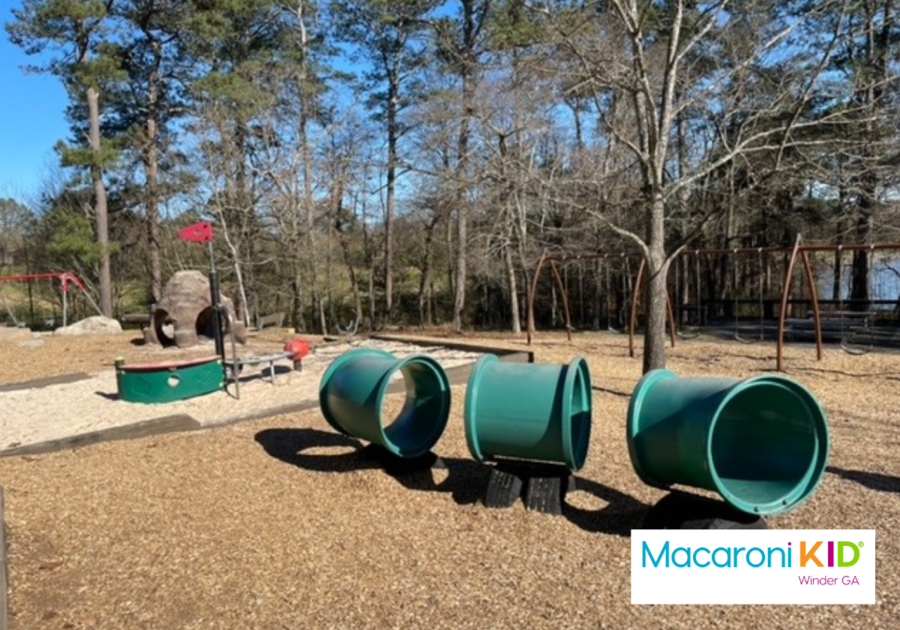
point(698, 306)
point(64, 278)
point(855, 327)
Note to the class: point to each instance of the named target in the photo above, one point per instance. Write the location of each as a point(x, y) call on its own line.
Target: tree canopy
point(408, 162)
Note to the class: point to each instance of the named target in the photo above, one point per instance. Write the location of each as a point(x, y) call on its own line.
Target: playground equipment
point(352, 391)
point(849, 333)
point(64, 279)
point(783, 265)
point(193, 305)
point(528, 411)
point(187, 306)
point(167, 382)
point(761, 443)
point(350, 331)
point(294, 351)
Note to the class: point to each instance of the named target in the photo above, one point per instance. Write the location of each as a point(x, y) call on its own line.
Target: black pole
point(216, 306)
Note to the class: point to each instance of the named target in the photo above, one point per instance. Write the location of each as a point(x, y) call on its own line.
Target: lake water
point(884, 279)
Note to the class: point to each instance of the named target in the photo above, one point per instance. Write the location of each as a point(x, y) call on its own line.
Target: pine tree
point(388, 33)
point(74, 31)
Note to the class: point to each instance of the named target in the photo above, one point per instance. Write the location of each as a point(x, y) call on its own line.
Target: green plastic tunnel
point(761, 443)
point(530, 412)
point(352, 392)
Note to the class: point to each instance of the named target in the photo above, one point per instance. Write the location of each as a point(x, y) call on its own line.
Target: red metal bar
point(64, 277)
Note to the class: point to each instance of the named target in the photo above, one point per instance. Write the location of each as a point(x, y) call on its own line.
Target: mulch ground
point(282, 523)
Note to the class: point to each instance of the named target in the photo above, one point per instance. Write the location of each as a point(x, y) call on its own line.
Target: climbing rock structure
point(184, 314)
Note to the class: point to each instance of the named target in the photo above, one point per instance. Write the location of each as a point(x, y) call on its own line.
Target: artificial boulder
point(96, 325)
point(185, 313)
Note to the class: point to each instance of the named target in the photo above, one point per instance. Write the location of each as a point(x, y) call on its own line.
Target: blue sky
point(32, 119)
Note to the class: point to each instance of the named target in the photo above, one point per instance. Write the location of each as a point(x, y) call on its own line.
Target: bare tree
point(706, 60)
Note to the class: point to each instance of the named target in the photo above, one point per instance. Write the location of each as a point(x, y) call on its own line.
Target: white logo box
point(693, 577)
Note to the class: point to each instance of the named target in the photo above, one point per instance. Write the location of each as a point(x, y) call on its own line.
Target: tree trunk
point(309, 204)
point(467, 74)
point(100, 209)
point(425, 276)
point(297, 293)
point(515, 316)
point(859, 287)
point(308, 201)
point(393, 136)
point(151, 169)
point(529, 297)
point(372, 292)
point(837, 285)
point(153, 245)
point(459, 302)
point(451, 276)
point(655, 291)
point(243, 210)
point(871, 94)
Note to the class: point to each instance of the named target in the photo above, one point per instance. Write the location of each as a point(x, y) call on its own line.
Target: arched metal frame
point(562, 290)
point(788, 276)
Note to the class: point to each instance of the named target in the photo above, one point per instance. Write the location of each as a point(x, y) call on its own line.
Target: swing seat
point(689, 332)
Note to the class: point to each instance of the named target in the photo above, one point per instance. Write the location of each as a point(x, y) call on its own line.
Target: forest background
point(408, 161)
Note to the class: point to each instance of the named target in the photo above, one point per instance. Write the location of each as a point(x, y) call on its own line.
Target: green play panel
point(167, 382)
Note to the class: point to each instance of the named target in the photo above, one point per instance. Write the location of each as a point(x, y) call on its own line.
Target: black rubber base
point(680, 510)
point(544, 486)
point(397, 466)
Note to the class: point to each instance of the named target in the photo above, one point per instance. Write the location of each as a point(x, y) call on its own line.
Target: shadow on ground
point(466, 480)
point(618, 517)
point(873, 481)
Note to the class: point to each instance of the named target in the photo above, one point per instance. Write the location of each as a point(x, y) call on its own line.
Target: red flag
point(197, 233)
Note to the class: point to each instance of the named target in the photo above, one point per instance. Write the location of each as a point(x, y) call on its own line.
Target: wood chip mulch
point(282, 523)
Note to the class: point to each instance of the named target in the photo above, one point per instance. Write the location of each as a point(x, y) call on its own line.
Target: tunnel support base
point(543, 487)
